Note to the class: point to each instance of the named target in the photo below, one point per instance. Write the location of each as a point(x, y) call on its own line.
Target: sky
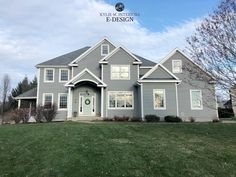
point(33, 31)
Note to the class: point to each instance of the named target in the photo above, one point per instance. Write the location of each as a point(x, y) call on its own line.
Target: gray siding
point(190, 80)
point(160, 73)
point(91, 61)
point(143, 71)
point(52, 87)
point(121, 57)
point(148, 102)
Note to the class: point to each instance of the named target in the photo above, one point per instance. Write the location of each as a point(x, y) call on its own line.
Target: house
point(106, 80)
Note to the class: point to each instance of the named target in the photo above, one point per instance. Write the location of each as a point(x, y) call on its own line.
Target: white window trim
point(45, 69)
point(44, 97)
point(192, 108)
point(115, 108)
point(120, 66)
point(58, 103)
point(159, 108)
point(173, 66)
point(102, 54)
point(60, 75)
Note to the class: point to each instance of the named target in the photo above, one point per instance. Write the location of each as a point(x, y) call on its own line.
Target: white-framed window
point(47, 100)
point(159, 99)
point(104, 49)
point(120, 72)
point(196, 99)
point(177, 66)
point(120, 100)
point(49, 74)
point(63, 75)
point(62, 101)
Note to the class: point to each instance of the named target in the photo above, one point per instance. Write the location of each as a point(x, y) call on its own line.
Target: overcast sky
point(32, 31)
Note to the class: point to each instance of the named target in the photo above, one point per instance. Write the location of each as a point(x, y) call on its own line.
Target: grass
point(118, 149)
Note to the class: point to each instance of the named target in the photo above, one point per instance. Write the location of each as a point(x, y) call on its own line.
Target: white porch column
point(19, 103)
point(102, 101)
point(69, 110)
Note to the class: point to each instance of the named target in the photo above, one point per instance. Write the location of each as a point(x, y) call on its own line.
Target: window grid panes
point(105, 49)
point(159, 99)
point(177, 66)
point(120, 100)
point(48, 100)
point(64, 75)
point(63, 101)
point(49, 74)
point(196, 99)
point(120, 72)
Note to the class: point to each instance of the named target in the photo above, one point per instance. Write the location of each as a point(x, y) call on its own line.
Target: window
point(49, 75)
point(120, 72)
point(62, 101)
point(196, 99)
point(47, 100)
point(159, 98)
point(176, 66)
point(64, 75)
point(104, 49)
point(120, 100)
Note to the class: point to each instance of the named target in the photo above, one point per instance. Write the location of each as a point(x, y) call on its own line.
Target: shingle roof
point(32, 93)
point(69, 57)
point(66, 58)
point(145, 62)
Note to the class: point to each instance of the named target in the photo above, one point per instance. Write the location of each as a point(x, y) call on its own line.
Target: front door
point(87, 104)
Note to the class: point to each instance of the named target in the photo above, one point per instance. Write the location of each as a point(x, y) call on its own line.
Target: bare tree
point(5, 92)
point(213, 46)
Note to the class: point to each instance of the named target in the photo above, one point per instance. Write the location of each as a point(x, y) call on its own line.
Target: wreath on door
point(87, 101)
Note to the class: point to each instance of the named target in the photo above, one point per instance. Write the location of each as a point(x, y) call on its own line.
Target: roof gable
point(159, 73)
point(85, 75)
point(187, 57)
point(106, 58)
point(104, 40)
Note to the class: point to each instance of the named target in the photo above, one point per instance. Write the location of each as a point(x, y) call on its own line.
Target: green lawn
point(118, 149)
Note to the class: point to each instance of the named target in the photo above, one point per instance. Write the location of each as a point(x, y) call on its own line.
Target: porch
point(85, 97)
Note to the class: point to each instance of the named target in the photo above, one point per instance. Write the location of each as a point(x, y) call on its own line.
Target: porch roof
point(85, 75)
point(30, 94)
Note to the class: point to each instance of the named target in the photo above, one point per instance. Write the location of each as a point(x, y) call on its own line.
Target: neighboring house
point(106, 80)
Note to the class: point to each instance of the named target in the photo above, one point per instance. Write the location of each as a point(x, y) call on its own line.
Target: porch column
point(69, 111)
point(102, 101)
point(19, 103)
point(30, 109)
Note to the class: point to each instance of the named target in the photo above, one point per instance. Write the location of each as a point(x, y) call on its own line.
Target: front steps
point(84, 118)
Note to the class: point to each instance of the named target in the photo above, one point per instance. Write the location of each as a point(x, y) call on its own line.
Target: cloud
point(35, 31)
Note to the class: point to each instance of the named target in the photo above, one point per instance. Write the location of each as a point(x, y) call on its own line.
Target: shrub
point(152, 118)
point(191, 119)
point(173, 119)
point(215, 120)
point(136, 119)
point(107, 119)
point(225, 112)
point(19, 115)
point(50, 113)
point(45, 113)
point(121, 119)
point(39, 114)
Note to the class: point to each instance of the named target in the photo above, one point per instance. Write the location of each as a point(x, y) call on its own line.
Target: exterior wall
point(148, 102)
point(160, 74)
point(190, 80)
point(75, 99)
point(91, 61)
point(143, 71)
point(122, 58)
point(52, 87)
